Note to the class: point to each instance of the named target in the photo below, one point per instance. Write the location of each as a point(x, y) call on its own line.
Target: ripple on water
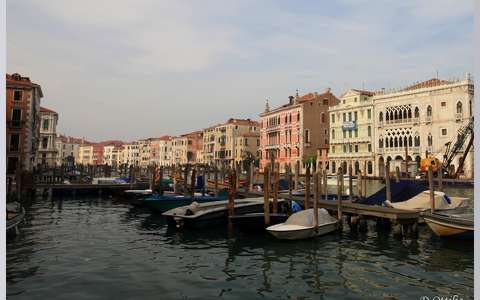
point(97, 249)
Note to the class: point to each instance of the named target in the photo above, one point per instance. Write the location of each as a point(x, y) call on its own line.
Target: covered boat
point(212, 213)
point(301, 225)
point(161, 203)
point(452, 224)
point(421, 202)
point(400, 191)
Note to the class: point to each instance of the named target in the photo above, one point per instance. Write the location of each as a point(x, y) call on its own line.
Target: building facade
point(220, 141)
point(352, 133)
point(85, 154)
point(23, 122)
point(420, 120)
point(186, 147)
point(47, 150)
point(294, 132)
point(68, 149)
point(247, 146)
point(161, 151)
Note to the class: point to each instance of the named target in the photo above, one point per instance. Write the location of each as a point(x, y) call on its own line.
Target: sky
point(118, 69)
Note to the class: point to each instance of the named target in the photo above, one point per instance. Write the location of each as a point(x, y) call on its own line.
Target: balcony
point(458, 117)
point(15, 124)
point(410, 150)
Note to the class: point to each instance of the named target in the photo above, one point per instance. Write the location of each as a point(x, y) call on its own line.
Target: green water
point(95, 248)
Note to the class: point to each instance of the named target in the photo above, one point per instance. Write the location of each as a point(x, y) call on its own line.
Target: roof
point(46, 110)
point(364, 92)
point(242, 122)
point(73, 140)
point(18, 80)
point(301, 99)
point(427, 83)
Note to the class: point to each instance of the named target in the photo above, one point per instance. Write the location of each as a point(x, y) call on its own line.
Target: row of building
point(360, 128)
point(365, 129)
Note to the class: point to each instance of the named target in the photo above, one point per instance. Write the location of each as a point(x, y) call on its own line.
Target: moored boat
point(422, 202)
point(301, 225)
point(162, 203)
point(15, 215)
point(199, 215)
point(450, 224)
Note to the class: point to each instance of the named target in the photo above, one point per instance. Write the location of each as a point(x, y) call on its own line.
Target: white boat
point(421, 202)
point(300, 225)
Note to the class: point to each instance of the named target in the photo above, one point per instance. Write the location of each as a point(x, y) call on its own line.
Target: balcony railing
point(458, 117)
point(398, 149)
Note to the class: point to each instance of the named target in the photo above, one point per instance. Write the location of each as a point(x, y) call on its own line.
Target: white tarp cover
point(305, 218)
point(422, 202)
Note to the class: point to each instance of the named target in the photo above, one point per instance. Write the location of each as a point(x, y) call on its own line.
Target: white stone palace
point(420, 120)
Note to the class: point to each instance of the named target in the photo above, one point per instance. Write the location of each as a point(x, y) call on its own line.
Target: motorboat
point(301, 225)
point(213, 213)
point(162, 203)
point(451, 224)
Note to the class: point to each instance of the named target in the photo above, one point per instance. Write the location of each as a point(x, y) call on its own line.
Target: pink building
point(297, 132)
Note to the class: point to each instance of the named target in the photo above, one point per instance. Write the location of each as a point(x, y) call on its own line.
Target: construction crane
point(454, 147)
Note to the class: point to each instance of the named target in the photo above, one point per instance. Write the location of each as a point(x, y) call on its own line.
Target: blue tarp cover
point(401, 191)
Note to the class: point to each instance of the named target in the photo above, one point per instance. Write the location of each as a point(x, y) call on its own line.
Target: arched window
point(396, 142)
point(409, 113)
point(417, 141)
point(430, 139)
point(400, 142)
point(410, 141)
point(387, 116)
point(405, 141)
point(391, 142)
point(395, 116)
point(459, 108)
point(380, 143)
point(404, 113)
point(417, 113)
point(429, 111)
point(369, 167)
point(380, 117)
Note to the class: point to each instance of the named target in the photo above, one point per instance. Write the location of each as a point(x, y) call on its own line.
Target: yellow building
point(352, 132)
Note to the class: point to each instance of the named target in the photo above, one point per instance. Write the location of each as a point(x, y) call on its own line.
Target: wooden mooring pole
point(275, 190)
point(339, 193)
point(266, 196)
point(350, 183)
point(432, 191)
point(316, 183)
point(307, 188)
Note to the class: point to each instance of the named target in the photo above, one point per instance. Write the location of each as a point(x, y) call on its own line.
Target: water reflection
point(106, 249)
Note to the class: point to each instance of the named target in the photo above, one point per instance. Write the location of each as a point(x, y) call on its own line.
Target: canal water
point(94, 248)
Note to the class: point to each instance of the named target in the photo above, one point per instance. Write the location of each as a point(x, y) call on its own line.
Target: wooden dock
point(369, 211)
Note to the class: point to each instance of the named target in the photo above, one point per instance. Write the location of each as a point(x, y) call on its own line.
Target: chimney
point(290, 100)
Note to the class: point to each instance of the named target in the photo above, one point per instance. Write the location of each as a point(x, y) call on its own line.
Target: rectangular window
point(333, 118)
point(350, 148)
point(443, 104)
point(344, 134)
point(307, 136)
point(356, 148)
point(45, 143)
point(369, 131)
point(369, 147)
point(344, 148)
point(16, 114)
point(344, 117)
point(355, 116)
point(369, 114)
point(349, 133)
point(444, 131)
point(350, 116)
point(17, 95)
point(14, 142)
point(45, 124)
point(356, 132)
point(333, 149)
